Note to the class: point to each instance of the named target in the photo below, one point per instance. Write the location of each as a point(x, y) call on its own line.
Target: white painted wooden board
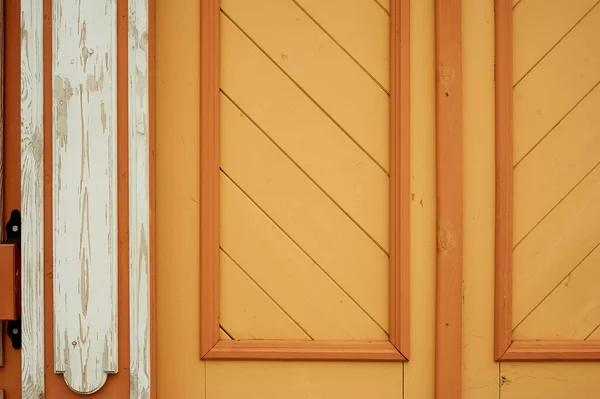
point(84, 191)
point(139, 199)
point(32, 200)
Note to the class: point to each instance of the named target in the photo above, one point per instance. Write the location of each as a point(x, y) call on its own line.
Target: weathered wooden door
point(77, 149)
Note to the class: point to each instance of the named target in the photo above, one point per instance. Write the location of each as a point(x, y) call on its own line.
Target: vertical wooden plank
point(209, 174)
point(480, 372)
point(84, 198)
point(177, 190)
point(32, 200)
point(399, 331)
point(139, 198)
point(448, 356)
point(504, 177)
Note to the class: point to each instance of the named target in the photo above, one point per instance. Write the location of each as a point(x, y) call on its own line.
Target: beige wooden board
point(282, 269)
point(305, 133)
point(549, 380)
point(556, 165)
point(247, 312)
point(32, 200)
point(480, 372)
point(360, 27)
point(555, 86)
point(596, 334)
point(419, 371)
point(84, 193)
point(556, 246)
point(304, 212)
point(295, 380)
point(538, 25)
point(311, 58)
point(179, 371)
point(572, 310)
point(139, 119)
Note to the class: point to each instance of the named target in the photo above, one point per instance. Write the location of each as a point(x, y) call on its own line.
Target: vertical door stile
point(32, 199)
point(139, 197)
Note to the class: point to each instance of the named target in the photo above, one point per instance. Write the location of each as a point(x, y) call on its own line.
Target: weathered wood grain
point(84, 197)
point(32, 200)
point(139, 199)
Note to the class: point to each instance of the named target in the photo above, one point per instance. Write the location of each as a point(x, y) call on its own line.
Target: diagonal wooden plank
point(313, 221)
point(571, 310)
point(556, 246)
point(539, 25)
point(556, 84)
point(224, 335)
point(595, 335)
point(248, 312)
point(287, 274)
point(360, 27)
point(555, 166)
point(300, 129)
point(320, 67)
point(385, 4)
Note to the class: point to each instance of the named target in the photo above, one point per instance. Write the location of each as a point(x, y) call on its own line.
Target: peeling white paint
point(84, 192)
point(32, 200)
point(139, 199)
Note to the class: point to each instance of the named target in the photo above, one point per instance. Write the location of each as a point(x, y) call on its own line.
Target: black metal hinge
point(13, 236)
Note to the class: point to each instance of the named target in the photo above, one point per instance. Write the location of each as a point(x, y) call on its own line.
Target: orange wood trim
point(399, 331)
point(8, 282)
point(504, 177)
point(10, 374)
point(210, 345)
point(448, 324)
point(117, 385)
point(305, 350)
point(152, 189)
point(209, 173)
point(553, 350)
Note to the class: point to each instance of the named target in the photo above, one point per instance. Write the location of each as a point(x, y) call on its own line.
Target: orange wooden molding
point(504, 177)
point(505, 349)
point(396, 349)
point(8, 282)
point(449, 187)
point(305, 350)
point(553, 350)
point(209, 173)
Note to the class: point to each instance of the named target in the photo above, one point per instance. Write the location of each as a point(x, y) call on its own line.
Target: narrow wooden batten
point(32, 199)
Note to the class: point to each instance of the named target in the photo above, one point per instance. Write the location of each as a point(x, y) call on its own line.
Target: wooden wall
point(181, 374)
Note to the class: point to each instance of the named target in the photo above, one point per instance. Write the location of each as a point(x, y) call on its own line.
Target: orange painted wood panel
point(8, 283)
